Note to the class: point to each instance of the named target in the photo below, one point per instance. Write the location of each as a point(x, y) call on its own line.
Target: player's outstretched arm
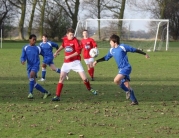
point(94, 63)
point(143, 53)
point(57, 52)
point(99, 60)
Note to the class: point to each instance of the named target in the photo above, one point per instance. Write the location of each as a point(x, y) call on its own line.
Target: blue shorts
point(34, 68)
point(126, 72)
point(48, 60)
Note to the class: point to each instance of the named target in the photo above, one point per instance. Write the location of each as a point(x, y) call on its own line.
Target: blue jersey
point(120, 55)
point(47, 48)
point(31, 55)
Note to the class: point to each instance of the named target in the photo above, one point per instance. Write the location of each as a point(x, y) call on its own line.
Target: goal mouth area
point(153, 34)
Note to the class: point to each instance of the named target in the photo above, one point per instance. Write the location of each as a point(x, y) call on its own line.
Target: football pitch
point(80, 114)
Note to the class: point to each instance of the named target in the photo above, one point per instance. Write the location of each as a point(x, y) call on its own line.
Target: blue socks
point(31, 85)
point(43, 73)
point(58, 70)
point(40, 88)
point(132, 96)
point(124, 87)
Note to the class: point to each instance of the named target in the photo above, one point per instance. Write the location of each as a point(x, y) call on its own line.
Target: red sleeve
point(77, 47)
point(93, 43)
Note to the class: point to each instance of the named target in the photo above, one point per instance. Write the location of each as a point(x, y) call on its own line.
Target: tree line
point(55, 16)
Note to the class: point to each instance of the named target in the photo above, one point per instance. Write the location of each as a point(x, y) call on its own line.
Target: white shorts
point(89, 60)
point(75, 66)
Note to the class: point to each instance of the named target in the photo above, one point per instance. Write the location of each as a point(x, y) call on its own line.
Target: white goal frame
point(159, 20)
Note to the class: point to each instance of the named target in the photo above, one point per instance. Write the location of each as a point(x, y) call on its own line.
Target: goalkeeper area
point(146, 34)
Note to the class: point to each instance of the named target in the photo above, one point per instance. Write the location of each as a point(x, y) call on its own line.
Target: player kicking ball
point(119, 52)
point(72, 61)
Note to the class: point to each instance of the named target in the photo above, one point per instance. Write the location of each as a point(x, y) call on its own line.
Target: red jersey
point(87, 45)
point(70, 47)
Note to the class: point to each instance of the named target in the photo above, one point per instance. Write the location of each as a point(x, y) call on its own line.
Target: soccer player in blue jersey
point(30, 53)
point(119, 52)
point(47, 49)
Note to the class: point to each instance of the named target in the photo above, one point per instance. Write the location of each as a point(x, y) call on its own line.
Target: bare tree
point(161, 9)
point(42, 15)
point(5, 8)
point(71, 9)
point(96, 9)
point(56, 21)
point(117, 7)
point(20, 4)
point(6, 15)
point(34, 3)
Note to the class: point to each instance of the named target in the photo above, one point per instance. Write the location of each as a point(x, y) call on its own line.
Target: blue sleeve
point(41, 52)
point(108, 56)
point(128, 48)
point(54, 45)
point(23, 55)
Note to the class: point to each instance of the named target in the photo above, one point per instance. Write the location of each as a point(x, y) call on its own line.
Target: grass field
point(81, 114)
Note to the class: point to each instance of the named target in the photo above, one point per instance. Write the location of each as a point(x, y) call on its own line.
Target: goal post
point(147, 34)
point(1, 36)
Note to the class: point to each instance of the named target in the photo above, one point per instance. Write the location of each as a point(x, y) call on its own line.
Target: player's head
point(32, 39)
point(85, 33)
point(44, 37)
point(114, 40)
point(70, 33)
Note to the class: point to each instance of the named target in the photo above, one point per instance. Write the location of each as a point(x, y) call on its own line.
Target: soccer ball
point(94, 52)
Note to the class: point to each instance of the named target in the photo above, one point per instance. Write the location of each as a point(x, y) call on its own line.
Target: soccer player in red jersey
point(87, 44)
point(72, 61)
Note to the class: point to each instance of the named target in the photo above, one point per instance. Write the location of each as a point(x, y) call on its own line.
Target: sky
point(129, 13)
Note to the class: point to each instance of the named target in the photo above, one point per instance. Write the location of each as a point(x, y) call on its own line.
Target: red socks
point(59, 89)
point(91, 72)
point(87, 84)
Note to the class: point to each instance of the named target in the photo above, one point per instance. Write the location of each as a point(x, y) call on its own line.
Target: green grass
point(107, 115)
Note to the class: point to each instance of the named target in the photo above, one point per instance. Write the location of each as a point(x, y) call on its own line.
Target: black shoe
point(56, 98)
point(92, 79)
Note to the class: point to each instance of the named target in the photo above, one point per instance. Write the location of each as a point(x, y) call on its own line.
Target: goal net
point(146, 34)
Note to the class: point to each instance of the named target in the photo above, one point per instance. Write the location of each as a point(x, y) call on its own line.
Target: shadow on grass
point(15, 90)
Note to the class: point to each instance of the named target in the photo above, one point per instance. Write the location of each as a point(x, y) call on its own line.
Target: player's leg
point(79, 68)
point(54, 68)
point(89, 64)
point(59, 86)
point(119, 80)
point(132, 95)
point(38, 86)
point(88, 68)
point(86, 82)
point(125, 88)
point(92, 70)
point(44, 65)
point(31, 75)
point(124, 84)
point(64, 70)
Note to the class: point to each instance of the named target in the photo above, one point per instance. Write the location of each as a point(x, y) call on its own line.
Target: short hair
point(70, 30)
point(115, 38)
point(45, 35)
point(85, 30)
point(32, 35)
